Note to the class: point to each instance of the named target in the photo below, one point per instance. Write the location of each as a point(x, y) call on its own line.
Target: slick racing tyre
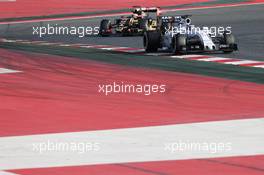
point(179, 44)
point(229, 40)
point(105, 28)
point(151, 41)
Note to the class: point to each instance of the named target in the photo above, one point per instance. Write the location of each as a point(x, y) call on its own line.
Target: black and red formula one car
point(139, 22)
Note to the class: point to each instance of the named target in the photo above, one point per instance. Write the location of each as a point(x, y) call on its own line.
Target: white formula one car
point(176, 34)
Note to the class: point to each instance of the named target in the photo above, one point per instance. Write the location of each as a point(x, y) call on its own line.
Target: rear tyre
point(229, 40)
point(179, 44)
point(151, 41)
point(105, 28)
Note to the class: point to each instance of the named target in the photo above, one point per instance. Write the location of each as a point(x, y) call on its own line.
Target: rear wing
point(138, 9)
point(170, 19)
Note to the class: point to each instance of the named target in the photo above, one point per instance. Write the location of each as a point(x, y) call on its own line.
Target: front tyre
point(105, 28)
point(151, 41)
point(229, 40)
point(179, 44)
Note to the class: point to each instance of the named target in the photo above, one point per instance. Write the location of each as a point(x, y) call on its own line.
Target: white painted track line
point(7, 71)
point(9, 41)
point(259, 66)
point(113, 48)
point(95, 46)
point(135, 144)
point(213, 59)
point(65, 45)
point(6, 173)
point(186, 56)
point(241, 62)
point(213, 7)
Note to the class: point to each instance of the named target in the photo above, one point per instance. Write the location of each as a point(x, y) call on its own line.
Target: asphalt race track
point(247, 24)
